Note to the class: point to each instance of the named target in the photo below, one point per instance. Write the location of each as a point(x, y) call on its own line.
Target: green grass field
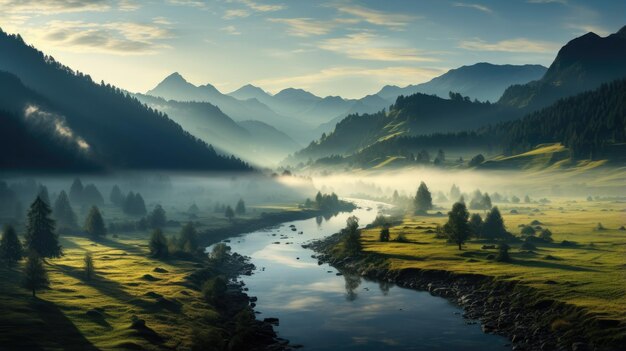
point(76, 314)
point(590, 274)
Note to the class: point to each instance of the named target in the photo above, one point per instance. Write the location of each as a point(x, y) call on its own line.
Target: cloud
point(367, 46)
point(401, 76)
point(304, 27)
point(192, 3)
point(47, 7)
point(511, 45)
point(379, 18)
point(474, 6)
point(256, 6)
point(119, 38)
point(240, 13)
point(232, 30)
point(51, 122)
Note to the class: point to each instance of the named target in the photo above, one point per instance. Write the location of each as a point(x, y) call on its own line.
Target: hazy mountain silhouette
point(175, 87)
point(582, 64)
point(120, 131)
point(418, 114)
point(483, 81)
point(257, 143)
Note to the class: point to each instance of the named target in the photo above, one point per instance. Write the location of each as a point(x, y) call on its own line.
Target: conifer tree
point(493, 226)
point(76, 191)
point(188, 240)
point(158, 244)
point(42, 192)
point(240, 209)
point(116, 196)
point(63, 212)
point(89, 266)
point(40, 235)
point(423, 199)
point(157, 218)
point(229, 213)
point(35, 275)
point(11, 250)
point(94, 224)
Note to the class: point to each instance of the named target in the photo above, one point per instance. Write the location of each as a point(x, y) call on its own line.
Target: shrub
point(528, 231)
point(89, 266)
point(401, 238)
point(546, 235)
point(528, 246)
point(503, 253)
point(384, 234)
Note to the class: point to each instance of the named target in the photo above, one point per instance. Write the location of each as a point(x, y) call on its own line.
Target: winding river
point(322, 310)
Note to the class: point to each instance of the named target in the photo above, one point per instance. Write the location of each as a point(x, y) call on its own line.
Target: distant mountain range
point(482, 81)
point(583, 64)
point(255, 141)
point(60, 115)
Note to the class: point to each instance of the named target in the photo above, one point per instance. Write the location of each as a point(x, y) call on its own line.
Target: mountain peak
point(622, 32)
point(296, 93)
point(175, 77)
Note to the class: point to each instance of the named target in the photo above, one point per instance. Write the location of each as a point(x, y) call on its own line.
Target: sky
point(330, 47)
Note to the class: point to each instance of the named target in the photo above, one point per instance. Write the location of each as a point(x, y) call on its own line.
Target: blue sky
point(336, 47)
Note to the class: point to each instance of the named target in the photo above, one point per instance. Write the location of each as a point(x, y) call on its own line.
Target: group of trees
point(134, 205)
point(229, 212)
point(85, 195)
point(460, 226)
point(187, 242)
point(480, 201)
point(324, 202)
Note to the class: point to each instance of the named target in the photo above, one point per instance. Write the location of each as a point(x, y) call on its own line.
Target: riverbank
point(561, 296)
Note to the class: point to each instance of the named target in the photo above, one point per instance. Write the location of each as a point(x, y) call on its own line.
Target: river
point(322, 310)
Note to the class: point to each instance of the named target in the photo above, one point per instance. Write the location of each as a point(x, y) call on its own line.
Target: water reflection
point(352, 284)
point(323, 311)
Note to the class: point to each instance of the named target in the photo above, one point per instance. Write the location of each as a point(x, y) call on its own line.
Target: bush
point(89, 266)
point(528, 231)
point(503, 253)
point(384, 234)
point(528, 246)
point(214, 290)
point(546, 235)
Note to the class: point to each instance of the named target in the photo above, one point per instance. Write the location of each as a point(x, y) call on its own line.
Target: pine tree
point(384, 234)
point(158, 244)
point(89, 266)
point(457, 228)
point(63, 213)
point(139, 205)
point(423, 199)
point(188, 240)
point(42, 192)
point(11, 250)
point(229, 213)
point(493, 226)
point(157, 218)
point(76, 191)
point(35, 275)
point(92, 196)
point(240, 209)
point(128, 204)
point(94, 224)
point(116, 196)
point(476, 225)
point(318, 199)
point(40, 236)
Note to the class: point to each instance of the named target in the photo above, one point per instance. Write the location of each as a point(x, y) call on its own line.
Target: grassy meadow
point(588, 272)
point(128, 285)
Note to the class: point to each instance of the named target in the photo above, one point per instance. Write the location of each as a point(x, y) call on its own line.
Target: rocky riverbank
point(507, 308)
